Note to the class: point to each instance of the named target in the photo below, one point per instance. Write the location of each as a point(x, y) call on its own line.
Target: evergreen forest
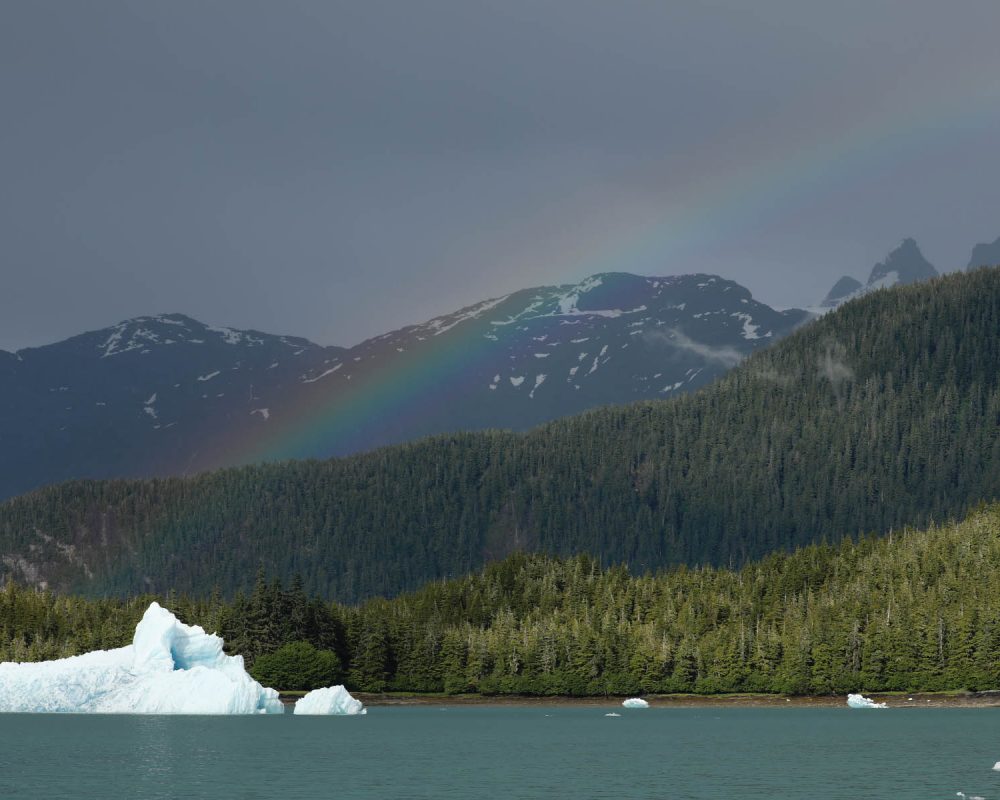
point(913, 611)
point(882, 414)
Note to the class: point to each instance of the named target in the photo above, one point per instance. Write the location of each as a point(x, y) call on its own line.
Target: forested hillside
point(883, 413)
point(914, 611)
point(169, 395)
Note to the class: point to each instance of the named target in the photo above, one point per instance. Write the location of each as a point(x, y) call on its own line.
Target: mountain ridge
point(904, 264)
point(985, 255)
point(167, 394)
point(880, 414)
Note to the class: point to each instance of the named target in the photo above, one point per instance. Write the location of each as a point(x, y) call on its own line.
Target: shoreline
point(989, 699)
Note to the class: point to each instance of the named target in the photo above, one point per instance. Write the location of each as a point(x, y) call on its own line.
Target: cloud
point(832, 366)
point(724, 355)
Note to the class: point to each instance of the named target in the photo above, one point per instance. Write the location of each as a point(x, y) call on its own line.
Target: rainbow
point(324, 421)
point(725, 202)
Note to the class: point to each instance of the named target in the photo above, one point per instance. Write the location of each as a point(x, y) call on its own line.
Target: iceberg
point(635, 702)
point(860, 701)
point(331, 700)
point(170, 668)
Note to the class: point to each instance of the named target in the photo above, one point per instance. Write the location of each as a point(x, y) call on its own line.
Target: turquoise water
point(508, 752)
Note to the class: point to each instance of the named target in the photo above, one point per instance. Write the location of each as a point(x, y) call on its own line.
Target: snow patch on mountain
point(323, 374)
point(568, 302)
point(168, 319)
point(440, 325)
point(231, 336)
point(749, 329)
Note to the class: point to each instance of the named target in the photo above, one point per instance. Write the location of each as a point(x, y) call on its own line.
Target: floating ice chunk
point(612, 714)
point(635, 702)
point(996, 767)
point(331, 700)
point(860, 701)
point(170, 668)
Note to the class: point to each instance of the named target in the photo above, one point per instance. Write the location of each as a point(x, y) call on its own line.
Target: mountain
point(985, 255)
point(904, 265)
point(148, 391)
point(844, 288)
point(168, 395)
point(882, 413)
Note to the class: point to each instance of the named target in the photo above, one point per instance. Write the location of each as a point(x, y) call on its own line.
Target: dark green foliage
point(882, 414)
point(914, 611)
point(298, 666)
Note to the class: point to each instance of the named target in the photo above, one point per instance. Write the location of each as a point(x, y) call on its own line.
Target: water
point(509, 753)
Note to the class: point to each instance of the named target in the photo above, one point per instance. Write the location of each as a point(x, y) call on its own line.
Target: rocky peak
point(985, 255)
point(905, 264)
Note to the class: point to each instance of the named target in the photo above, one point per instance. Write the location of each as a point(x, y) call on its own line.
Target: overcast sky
point(339, 169)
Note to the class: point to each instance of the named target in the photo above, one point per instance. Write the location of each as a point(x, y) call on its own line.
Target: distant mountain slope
point(882, 413)
point(168, 395)
point(147, 392)
point(842, 289)
point(985, 255)
point(904, 265)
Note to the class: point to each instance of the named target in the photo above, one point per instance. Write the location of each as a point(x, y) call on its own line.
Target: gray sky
point(338, 169)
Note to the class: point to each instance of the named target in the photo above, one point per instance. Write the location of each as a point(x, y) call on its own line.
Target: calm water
point(508, 753)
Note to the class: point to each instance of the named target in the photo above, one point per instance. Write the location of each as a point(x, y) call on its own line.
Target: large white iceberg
point(331, 700)
point(635, 702)
point(860, 701)
point(170, 668)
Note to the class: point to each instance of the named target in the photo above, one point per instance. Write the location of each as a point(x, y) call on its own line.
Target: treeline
point(882, 414)
point(914, 611)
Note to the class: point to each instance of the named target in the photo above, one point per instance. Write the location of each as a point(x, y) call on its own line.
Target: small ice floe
point(612, 714)
point(996, 767)
point(860, 701)
point(333, 700)
point(969, 796)
point(635, 702)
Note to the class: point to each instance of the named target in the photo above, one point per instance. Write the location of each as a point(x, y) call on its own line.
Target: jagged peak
point(841, 290)
point(985, 255)
point(908, 264)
